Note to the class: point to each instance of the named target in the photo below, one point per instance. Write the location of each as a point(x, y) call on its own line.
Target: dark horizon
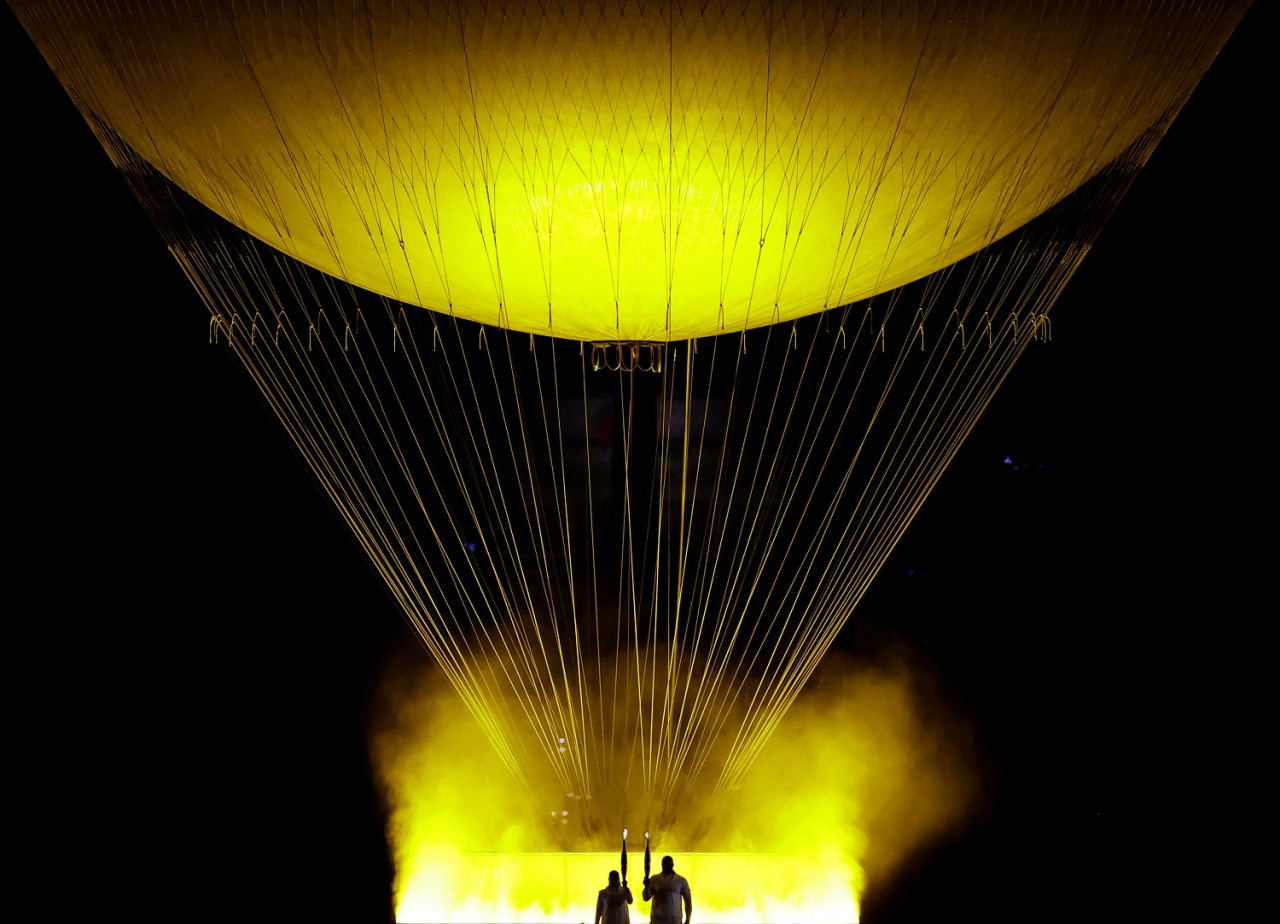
point(210, 639)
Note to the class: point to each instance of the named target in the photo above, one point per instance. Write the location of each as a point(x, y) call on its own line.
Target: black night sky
point(199, 638)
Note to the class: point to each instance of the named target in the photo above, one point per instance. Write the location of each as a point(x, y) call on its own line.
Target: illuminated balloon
point(626, 547)
point(617, 171)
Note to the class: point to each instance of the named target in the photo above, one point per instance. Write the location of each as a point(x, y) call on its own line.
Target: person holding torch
point(612, 901)
point(668, 891)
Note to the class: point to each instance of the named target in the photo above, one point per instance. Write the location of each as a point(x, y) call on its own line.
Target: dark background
point(195, 640)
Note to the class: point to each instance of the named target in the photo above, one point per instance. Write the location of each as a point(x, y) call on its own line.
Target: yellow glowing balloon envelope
point(617, 171)
point(627, 172)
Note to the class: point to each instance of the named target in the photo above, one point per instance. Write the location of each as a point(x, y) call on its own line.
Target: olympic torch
point(624, 857)
point(646, 857)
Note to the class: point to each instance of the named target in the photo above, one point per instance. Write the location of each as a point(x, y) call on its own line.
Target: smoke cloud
point(867, 766)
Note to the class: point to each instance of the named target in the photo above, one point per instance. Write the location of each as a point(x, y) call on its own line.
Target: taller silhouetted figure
point(668, 890)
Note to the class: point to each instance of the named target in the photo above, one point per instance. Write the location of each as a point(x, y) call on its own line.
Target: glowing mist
point(866, 768)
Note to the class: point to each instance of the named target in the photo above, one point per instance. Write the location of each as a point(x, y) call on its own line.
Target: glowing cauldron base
point(728, 888)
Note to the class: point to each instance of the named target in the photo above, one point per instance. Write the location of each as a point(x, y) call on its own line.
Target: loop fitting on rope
point(628, 356)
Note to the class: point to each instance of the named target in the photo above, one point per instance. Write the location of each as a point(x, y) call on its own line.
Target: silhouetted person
point(611, 906)
point(668, 890)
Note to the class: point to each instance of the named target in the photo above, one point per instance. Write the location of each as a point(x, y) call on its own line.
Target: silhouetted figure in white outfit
point(668, 890)
point(611, 906)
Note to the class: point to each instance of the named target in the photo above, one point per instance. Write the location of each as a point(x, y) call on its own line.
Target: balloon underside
point(610, 172)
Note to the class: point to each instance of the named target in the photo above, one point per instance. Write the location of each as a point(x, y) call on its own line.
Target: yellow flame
point(538, 887)
point(865, 769)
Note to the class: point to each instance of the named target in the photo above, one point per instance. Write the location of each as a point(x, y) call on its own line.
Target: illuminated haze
point(867, 766)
